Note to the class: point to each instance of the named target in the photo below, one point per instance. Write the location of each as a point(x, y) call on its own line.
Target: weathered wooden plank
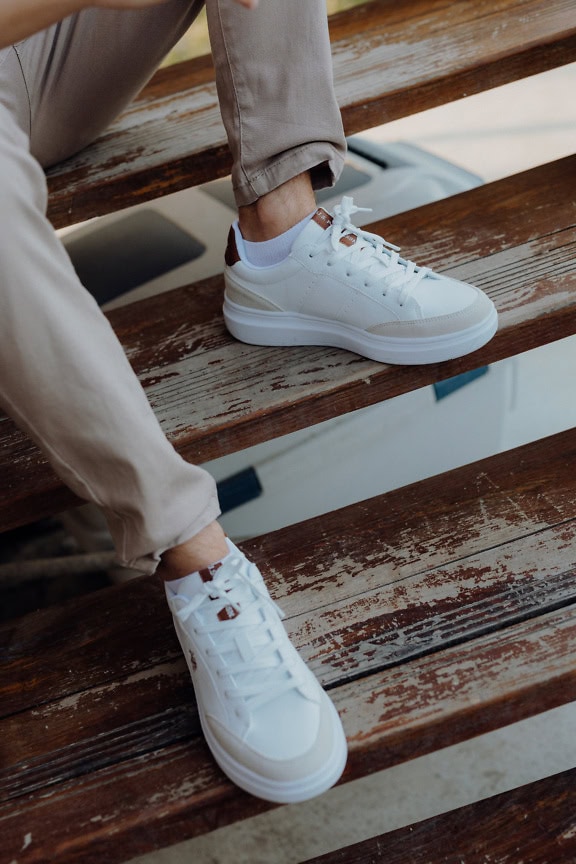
point(94, 641)
point(407, 532)
point(388, 62)
point(176, 792)
point(360, 600)
point(449, 605)
point(535, 823)
point(467, 690)
point(516, 238)
point(341, 641)
point(410, 618)
point(97, 727)
point(162, 797)
point(363, 548)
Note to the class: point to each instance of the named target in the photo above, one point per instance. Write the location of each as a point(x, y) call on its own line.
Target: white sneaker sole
point(258, 327)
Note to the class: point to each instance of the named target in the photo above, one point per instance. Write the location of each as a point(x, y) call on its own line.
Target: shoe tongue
point(240, 593)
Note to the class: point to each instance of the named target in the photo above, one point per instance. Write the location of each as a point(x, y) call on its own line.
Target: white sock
point(268, 253)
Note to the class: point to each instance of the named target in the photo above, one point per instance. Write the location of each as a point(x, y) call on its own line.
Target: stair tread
point(515, 238)
point(388, 62)
point(428, 628)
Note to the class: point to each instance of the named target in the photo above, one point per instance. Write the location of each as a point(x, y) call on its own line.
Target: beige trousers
point(63, 375)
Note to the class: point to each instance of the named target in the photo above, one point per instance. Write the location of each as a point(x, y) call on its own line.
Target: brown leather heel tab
point(231, 255)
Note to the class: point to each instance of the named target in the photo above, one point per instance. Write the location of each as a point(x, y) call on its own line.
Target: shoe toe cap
point(284, 751)
point(446, 308)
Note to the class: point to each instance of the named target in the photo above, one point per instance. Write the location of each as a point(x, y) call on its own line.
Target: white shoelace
point(244, 646)
point(371, 253)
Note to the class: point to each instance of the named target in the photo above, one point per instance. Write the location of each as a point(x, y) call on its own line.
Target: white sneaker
point(346, 288)
point(270, 726)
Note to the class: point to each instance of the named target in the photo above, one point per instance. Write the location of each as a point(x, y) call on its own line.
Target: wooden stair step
point(433, 613)
point(389, 61)
point(534, 823)
point(515, 238)
point(171, 793)
point(501, 497)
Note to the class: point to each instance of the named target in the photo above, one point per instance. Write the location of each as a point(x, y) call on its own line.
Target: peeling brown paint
point(435, 612)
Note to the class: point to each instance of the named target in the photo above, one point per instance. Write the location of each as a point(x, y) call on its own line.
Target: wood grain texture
point(433, 613)
point(454, 694)
point(370, 549)
point(515, 238)
point(389, 62)
point(535, 824)
point(170, 793)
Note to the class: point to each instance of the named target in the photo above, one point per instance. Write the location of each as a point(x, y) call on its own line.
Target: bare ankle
point(202, 550)
point(279, 210)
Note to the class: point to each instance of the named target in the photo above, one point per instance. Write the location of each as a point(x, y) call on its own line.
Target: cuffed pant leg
point(275, 86)
point(65, 379)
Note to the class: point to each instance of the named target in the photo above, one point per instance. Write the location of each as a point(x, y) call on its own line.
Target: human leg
point(268, 722)
point(356, 294)
point(274, 77)
point(270, 725)
point(65, 378)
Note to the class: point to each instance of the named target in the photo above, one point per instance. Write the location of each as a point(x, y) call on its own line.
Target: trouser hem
point(324, 163)
point(148, 562)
